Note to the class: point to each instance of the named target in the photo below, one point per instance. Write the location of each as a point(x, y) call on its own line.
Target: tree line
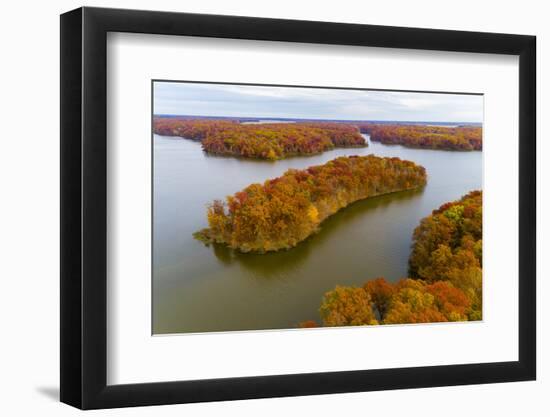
point(270, 141)
point(274, 141)
point(445, 269)
point(284, 211)
point(464, 138)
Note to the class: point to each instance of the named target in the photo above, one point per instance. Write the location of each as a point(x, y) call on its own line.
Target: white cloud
point(318, 103)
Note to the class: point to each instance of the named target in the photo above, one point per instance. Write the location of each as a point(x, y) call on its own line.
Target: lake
point(201, 289)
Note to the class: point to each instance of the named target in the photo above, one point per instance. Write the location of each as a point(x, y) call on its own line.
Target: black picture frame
point(84, 207)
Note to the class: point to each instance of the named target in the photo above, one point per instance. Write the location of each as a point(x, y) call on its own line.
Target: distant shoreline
point(248, 119)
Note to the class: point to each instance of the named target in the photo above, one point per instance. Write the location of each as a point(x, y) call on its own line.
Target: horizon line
point(309, 119)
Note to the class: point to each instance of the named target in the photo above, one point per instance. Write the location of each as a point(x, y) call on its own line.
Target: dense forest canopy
point(283, 211)
point(279, 140)
point(446, 276)
point(406, 301)
point(265, 141)
point(448, 245)
point(464, 138)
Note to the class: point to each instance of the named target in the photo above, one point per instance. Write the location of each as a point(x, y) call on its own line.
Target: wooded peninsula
point(274, 141)
point(284, 211)
point(462, 138)
point(269, 141)
point(445, 269)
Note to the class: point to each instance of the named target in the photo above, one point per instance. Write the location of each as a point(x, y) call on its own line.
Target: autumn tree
point(381, 293)
point(347, 306)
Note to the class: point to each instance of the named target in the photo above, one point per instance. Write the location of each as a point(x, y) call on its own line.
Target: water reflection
point(277, 264)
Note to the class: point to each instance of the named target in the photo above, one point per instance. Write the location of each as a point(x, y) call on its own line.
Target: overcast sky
point(195, 99)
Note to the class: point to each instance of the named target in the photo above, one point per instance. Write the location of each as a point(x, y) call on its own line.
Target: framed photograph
point(256, 208)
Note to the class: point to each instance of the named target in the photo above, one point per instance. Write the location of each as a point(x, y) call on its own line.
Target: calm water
point(198, 288)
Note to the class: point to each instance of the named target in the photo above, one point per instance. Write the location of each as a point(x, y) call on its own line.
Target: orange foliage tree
point(381, 293)
point(347, 306)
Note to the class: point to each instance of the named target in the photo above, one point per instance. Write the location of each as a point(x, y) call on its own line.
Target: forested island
point(463, 138)
point(284, 211)
point(269, 141)
point(445, 268)
point(274, 141)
